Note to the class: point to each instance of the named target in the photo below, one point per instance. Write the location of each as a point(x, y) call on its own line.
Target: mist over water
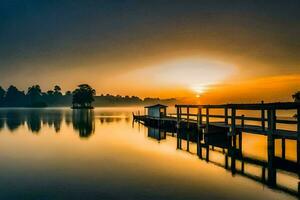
point(103, 154)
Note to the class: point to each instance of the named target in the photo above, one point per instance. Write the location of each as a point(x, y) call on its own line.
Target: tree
point(50, 92)
point(34, 94)
point(57, 90)
point(14, 97)
point(83, 96)
point(2, 95)
point(296, 96)
point(68, 93)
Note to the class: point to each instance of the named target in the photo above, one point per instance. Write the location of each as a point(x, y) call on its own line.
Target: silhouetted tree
point(14, 97)
point(83, 96)
point(2, 96)
point(68, 93)
point(50, 92)
point(57, 90)
point(296, 96)
point(35, 96)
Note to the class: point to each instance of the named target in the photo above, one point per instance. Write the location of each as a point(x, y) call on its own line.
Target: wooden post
point(188, 116)
point(207, 120)
point(243, 167)
point(207, 153)
point(233, 113)
point(233, 155)
point(271, 120)
point(263, 126)
point(298, 141)
point(188, 142)
point(263, 174)
point(199, 118)
point(199, 148)
point(243, 121)
point(226, 115)
point(178, 117)
point(283, 148)
point(241, 141)
point(298, 122)
point(271, 155)
point(178, 139)
point(180, 113)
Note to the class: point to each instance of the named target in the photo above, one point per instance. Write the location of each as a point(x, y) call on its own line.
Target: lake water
point(102, 154)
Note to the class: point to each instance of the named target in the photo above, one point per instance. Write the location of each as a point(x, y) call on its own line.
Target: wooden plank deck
point(266, 123)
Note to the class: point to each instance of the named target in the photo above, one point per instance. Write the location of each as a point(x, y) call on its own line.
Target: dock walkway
point(266, 124)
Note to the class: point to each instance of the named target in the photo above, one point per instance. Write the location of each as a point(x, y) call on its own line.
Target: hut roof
point(156, 105)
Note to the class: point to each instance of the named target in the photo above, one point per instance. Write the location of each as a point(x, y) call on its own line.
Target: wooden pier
point(221, 126)
point(265, 124)
point(236, 123)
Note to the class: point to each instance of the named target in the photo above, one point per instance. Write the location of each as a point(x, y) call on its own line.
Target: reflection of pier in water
point(234, 160)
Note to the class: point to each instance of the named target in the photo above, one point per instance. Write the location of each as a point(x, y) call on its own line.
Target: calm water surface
point(102, 154)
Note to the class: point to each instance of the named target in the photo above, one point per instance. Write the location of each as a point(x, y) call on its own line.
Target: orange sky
point(239, 52)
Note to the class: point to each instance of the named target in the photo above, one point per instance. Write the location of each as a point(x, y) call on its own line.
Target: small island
point(83, 96)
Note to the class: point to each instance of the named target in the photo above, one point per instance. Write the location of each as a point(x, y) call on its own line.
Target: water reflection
point(234, 159)
point(157, 133)
point(151, 165)
point(14, 120)
point(83, 121)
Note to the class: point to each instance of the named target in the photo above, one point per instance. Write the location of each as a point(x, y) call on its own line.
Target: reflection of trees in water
point(14, 119)
point(68, 118)
point(53, 118)
point(33, 118)
point(34, 121)
point(2, 121)
point(84, 122)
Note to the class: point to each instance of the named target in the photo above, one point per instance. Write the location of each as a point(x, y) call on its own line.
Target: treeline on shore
point(35, 97)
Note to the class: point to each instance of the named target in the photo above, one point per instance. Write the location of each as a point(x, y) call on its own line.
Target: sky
point(220, 51)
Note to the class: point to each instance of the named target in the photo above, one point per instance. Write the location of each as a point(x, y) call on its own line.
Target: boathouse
point(156, 111)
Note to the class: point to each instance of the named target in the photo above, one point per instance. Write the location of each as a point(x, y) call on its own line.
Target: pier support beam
point(199, 118)
point(178, 117)
point(199, 148)
point(298, 140)
point(178, 139)
point(263, 126)
point(233, 126)
point(263, 174)
point(271, 121)
point(207, 120)
point(240, 140)
point(271, 155)
point(283, 148)
point(233, 155)
point(226, 115)
point(207, 153)
point(188, 142)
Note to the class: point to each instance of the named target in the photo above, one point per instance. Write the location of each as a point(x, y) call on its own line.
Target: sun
point(199, 89)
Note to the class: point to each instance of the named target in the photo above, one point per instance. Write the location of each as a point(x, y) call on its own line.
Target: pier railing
point(266, 122)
